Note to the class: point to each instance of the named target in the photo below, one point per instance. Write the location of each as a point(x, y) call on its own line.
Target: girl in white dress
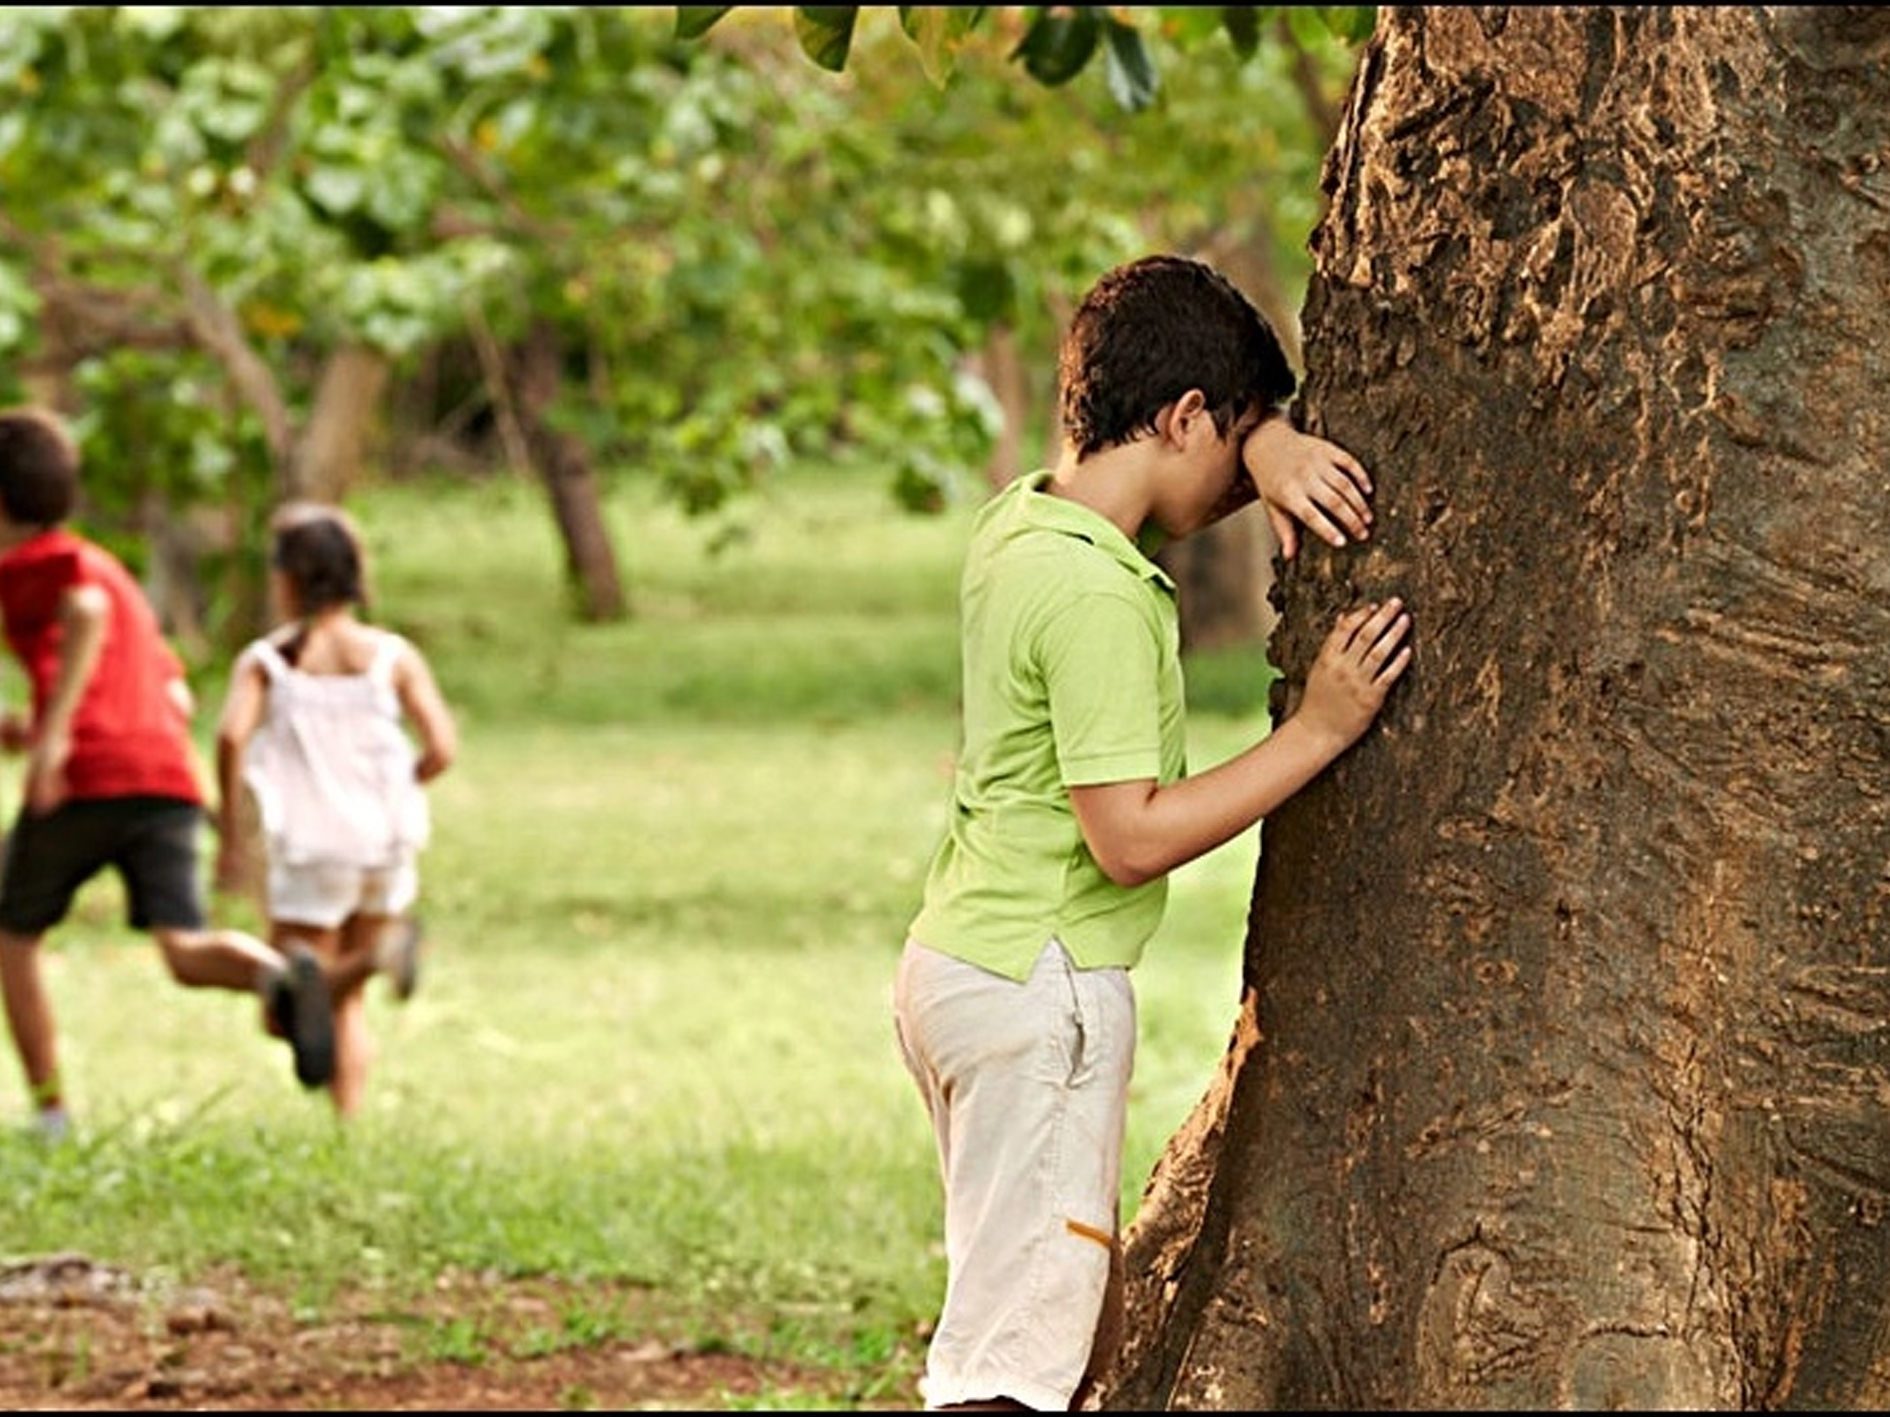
point(316, 725)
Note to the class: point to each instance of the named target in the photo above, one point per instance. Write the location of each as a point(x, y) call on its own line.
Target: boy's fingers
point(1285, 528)
point(1373, 619)
point(1333, 522)
point(1354, 469)
point(1389, 638)
point(1352, 498)
point(1393, 668)
point(1345, 630)
point(1320, 523)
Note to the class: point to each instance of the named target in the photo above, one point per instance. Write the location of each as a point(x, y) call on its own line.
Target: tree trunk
point(1559, 1079)
point(1222, 573)
point(564, 463)
point(1003, 369)
point(327, 458)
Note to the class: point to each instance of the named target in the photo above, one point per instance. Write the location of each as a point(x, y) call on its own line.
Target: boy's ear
point(1176, 421)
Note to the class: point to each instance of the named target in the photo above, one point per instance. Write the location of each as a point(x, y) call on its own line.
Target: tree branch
point(215, 328)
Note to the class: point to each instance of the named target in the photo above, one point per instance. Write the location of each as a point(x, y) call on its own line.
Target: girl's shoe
point(398, 955)
point(305, 1014)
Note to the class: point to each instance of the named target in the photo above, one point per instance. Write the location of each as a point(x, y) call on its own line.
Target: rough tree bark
point(1559, 1080)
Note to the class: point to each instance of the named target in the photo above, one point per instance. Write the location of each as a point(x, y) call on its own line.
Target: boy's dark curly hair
point(39, 467)
point(317, 549)
point(1149, 331)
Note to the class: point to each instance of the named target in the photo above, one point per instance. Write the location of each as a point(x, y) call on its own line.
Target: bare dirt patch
point(76, 1335)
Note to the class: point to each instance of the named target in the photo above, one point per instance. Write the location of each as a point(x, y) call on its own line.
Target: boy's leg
point(156, 855)
point(1110, 1327)
point(292, 988)
point(47, 858)
point(1027, 1085)
point(217, 959)
point(30, 1018)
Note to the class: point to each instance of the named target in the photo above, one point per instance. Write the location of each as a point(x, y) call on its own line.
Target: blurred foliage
point(747, 256)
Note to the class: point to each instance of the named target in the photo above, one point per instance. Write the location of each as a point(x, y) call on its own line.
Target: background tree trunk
point(1003, 368)
point(1559, 1080)
point(564, 463)
point(327, 459)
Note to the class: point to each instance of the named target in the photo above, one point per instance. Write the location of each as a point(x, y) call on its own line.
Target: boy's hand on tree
point(1307, 480)
point(1364, 654)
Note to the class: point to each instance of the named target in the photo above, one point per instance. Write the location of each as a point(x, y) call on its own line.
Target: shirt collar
point(1041, 510)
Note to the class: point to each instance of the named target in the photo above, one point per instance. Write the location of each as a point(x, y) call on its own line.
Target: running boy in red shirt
point(110, 779)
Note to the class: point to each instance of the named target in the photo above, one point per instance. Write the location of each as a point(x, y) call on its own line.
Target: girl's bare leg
point(347, 955)
point(355, 964)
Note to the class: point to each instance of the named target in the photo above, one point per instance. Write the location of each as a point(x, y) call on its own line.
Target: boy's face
point(1208, 481)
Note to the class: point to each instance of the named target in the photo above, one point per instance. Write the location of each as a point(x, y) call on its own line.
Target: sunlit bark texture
point(1560, 1079)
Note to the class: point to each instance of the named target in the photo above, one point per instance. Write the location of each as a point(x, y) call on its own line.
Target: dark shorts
point(151, 841)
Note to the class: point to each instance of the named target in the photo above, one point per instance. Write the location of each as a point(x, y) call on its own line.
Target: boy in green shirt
point(1071, 803)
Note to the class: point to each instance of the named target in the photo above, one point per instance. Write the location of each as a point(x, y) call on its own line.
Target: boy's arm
point(425, 706)
point(1138, 831)
point(1306, 480)
point(83, 610)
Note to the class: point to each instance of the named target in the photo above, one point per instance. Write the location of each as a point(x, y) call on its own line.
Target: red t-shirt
point(128, 737)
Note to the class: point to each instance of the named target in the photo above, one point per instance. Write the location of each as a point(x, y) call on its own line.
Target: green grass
point(668, 887)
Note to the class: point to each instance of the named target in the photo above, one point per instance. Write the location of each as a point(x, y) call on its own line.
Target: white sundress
point(331, 766)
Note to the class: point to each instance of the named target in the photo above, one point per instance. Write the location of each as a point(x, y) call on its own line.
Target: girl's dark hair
point(39, 467)
point(1149, 331)
point(317, 550)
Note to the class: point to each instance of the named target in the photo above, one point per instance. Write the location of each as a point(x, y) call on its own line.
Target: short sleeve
point(1101, 662)
point(36, 584)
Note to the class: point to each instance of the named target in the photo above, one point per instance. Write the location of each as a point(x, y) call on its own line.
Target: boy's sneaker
point(299, 1002)
point(398, 955)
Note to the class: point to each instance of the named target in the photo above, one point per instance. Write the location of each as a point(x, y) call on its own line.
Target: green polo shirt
point(1072, 677)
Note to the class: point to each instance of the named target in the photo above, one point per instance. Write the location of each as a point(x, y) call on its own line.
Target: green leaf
point(937, 30)
point(987, 290)
point(1059, 43)
point(826, 33)
point(694, 21)
point(336, 190)
point(1189, 25)
point(1132, 77)
point(1313, 25)
point(1242, 23)
point(1354, 23)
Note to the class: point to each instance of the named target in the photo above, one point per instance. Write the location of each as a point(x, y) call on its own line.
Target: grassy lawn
point(668, 886)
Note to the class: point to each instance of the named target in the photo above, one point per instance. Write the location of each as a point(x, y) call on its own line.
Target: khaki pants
point(1027, 1086)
